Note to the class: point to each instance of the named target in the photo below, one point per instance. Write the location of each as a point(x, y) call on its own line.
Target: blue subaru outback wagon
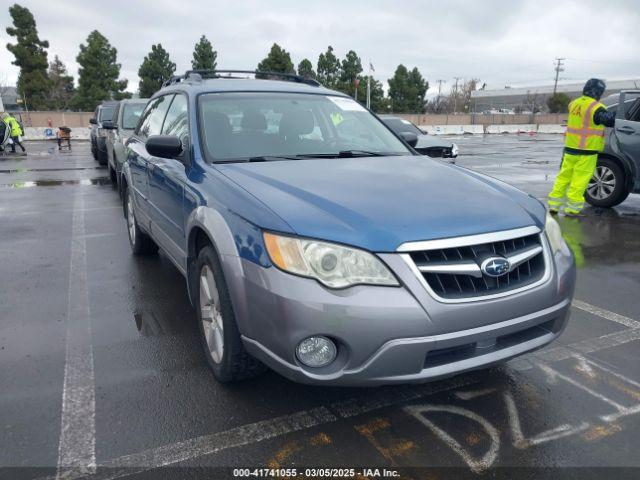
point(317, 242)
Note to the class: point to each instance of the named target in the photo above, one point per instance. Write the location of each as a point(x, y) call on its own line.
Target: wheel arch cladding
point(625, 164)
point(233, 239)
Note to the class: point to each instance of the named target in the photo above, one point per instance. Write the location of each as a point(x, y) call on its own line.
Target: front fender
point(233, 239)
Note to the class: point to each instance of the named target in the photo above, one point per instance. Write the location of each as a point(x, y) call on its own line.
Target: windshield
point(131, 114)
point(399, 125)
point(242, 126)
point(106, 113)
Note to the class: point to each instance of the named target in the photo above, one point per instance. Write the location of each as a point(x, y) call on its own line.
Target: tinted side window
point(633, 113)
point(177, 122)
point(153, 116)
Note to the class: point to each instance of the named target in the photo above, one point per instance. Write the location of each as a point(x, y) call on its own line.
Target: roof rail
point(197, 76)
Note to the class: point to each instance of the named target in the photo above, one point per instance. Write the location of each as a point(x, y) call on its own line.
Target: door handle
point(626, 129)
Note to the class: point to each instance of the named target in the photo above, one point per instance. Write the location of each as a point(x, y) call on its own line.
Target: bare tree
point(461, 97)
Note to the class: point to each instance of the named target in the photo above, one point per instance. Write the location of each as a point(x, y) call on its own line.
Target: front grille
point(454, 273)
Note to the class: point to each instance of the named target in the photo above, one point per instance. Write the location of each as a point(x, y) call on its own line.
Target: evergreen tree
point(204, 56)
point(305, 69)
point(61, 86)
point(351, 70)
point(328, 69)
point(278, 60)
point(98, 73)
point(156, 68)
point(407, 90)
point(30, 56)
point(558, 103)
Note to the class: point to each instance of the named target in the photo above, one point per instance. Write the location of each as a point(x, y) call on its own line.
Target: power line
point(558, 69)
point(600, 61)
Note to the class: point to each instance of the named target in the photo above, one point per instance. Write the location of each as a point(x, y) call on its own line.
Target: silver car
point(120, 129)
point(313, 239)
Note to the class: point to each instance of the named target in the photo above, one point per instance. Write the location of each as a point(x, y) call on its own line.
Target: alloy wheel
point(210, 314)
point(602, 184)
point(131, 221)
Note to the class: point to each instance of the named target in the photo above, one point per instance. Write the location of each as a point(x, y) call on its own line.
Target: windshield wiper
point(260, 158)
point(272, 158)
point(348, 154)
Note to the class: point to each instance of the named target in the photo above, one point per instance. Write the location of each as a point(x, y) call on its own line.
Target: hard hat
point(594, 88)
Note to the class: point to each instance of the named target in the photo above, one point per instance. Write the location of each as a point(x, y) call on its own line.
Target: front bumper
point(389, 335)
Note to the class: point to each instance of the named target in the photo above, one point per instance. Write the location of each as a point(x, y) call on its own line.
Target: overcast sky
point(500, 42)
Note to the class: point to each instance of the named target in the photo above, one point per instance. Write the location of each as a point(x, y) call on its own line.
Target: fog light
point(316, 351)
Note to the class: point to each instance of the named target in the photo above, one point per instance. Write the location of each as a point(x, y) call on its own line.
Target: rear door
point(138, 157)
point(167, 177)
point(627, 131)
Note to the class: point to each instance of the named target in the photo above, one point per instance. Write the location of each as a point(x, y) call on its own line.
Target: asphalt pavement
point(100, 364)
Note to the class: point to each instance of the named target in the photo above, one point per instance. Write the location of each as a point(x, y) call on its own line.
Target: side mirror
point(93, 121)
point(164, 146)
point(409, 137)
point(109, 125)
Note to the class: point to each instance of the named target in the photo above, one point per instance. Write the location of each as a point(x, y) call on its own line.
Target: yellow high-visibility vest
point(582, 132)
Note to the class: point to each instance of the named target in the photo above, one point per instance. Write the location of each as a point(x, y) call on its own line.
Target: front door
point(167, 177)
point(139, 158)
point(627, 132)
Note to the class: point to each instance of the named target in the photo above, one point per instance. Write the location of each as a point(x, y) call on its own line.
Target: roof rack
point(197, 76)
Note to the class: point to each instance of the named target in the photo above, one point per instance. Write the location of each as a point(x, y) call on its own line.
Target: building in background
point(534, 99)
point(9, 99)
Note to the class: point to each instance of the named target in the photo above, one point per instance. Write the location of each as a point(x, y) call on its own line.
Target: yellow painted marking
point(473, 439)
point(285, 452)
point(321, 439)
point(633, 393)
point(373, 426)
point(401, 448)
point(601, 431)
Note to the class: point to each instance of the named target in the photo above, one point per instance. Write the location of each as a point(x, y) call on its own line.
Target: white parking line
point(252, 433)
point(606, 314)
point(76, 450)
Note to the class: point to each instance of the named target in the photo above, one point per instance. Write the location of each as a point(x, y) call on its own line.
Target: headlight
point(333, 265)
point(454, 150)
point(554, 234)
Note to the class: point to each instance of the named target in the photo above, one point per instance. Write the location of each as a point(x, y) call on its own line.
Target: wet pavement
point(78, 311)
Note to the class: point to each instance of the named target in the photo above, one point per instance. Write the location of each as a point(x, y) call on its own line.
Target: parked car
point(98, 134)
point(427, 144)
point(315, 241)
point(125, 118)
point(618, 171)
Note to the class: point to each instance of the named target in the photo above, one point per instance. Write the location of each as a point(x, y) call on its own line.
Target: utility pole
point(455, 94)
point(558, 68)
point(440, 82)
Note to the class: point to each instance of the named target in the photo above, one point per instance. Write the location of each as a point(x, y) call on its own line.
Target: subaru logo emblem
point(495, 266)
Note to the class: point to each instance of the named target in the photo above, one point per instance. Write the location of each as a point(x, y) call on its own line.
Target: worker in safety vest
point(585, 139)
point(15, 129)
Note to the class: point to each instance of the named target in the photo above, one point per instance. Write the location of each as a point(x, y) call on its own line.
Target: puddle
point(24, 170)
point(57, 183)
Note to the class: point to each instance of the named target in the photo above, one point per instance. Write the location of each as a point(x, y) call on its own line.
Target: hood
point(429, 141)
point(378, 203)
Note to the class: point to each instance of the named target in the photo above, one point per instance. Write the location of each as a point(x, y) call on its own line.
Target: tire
point(608, 187)
point(103, 158)
point(94, 150)
point(219, 332)
point(141, 243)
point(113, 176)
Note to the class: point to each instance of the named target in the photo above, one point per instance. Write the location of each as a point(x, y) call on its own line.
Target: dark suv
point(316, 241)
point(618, 171)
point(98, 134)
